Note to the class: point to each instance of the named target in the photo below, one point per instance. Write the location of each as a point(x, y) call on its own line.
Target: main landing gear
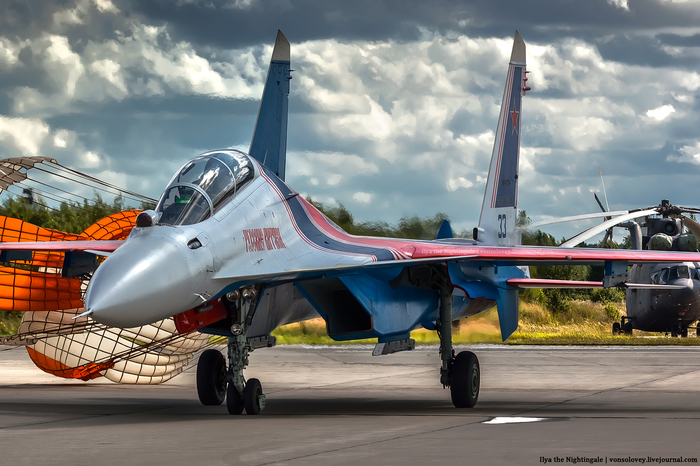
point(622, 328)
point(679, 331)
point(214, 381)
point(461, 372)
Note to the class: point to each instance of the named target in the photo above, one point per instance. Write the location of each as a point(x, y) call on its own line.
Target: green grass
point(310, 332)
point(9, 322)
point(585, 323)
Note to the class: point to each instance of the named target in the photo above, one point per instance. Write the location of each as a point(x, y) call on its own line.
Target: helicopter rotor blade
point(604, 226)
point(577, 217)
point(692, 226)
point(692, 210)
point(597, 199)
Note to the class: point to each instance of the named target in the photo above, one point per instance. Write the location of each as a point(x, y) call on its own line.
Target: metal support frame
point(615, 273)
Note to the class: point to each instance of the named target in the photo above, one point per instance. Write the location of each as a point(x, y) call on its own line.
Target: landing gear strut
point(679, 331)
point(623, 327)
point(242, 394)
point(215, 381)
point(461, 373)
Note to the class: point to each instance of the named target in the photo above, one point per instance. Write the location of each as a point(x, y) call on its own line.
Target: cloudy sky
point(393, 104)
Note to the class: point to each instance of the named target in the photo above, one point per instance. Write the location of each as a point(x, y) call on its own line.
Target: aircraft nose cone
point(147, 279)
point(684, 296)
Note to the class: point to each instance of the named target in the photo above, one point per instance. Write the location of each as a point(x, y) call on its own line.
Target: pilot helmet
point(183, 195)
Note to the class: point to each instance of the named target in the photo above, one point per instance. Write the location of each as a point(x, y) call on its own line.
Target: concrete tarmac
point(342, 406)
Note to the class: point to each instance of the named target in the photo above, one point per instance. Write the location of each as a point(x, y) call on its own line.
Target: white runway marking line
point(514, 420)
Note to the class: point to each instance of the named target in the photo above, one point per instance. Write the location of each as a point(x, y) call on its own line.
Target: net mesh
point(80, 348)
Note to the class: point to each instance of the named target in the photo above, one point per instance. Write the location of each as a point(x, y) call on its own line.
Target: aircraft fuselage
point(258, 235)
point(655, 310)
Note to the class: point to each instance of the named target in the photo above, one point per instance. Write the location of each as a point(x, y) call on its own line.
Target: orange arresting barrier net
point(81, 348)
point(24, 290)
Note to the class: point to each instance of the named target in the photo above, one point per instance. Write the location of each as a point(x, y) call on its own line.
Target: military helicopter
point(661, 229)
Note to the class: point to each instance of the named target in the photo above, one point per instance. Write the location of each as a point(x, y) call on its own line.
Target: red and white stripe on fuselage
point(294, 223)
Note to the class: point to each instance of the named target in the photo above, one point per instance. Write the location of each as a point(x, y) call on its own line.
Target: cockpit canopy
point(671, 274)
point(203, 185)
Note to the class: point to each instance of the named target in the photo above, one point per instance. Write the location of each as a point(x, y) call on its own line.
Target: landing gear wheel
point(234, 400)
point(252, 396)
point(617, 328)
point(211, 378)
point(683, 333)
point(466, 377)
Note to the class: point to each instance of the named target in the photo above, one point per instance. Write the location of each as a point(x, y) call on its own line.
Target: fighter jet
point(231, 249)
point(658, 310)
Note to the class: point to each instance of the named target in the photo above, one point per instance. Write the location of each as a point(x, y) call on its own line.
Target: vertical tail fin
point(269, 144)
point(500, 208)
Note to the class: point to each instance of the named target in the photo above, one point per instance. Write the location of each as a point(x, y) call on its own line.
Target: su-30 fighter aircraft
point(232, 250)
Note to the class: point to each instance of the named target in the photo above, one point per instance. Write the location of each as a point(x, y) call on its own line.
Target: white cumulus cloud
point(25, 134)
point(660, 113)
point(363, 198)
point(689, 154)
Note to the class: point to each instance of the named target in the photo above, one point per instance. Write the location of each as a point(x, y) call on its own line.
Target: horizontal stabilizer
point(525, 283)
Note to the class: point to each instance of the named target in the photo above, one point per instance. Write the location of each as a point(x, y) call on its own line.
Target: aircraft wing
point(538, 255)
point(439, 252)
point(91, 246)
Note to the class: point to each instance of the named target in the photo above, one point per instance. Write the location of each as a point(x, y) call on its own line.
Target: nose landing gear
point(214, 381)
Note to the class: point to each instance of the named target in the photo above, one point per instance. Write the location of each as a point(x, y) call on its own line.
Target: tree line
point(69, 217)
point(76, 217)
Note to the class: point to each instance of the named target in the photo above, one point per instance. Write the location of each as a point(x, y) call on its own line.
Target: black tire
point(466, 377)
point(616, 328)
point(211, 378)
point(234, 400)
point(684, 333)
point(251, 396)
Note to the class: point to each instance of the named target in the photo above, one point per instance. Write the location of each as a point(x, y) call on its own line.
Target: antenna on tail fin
point(500, 207)
point(269, 143)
